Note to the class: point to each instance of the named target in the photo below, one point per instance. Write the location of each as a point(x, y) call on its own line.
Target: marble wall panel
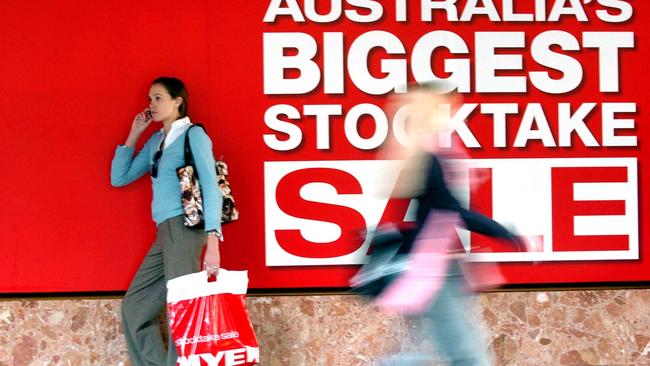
point(596, 327)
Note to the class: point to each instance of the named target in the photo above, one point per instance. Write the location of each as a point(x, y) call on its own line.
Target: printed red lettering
point(566, 208)
point(349, 220)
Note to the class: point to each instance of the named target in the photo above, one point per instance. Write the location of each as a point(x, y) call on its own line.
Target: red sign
point(292, 94)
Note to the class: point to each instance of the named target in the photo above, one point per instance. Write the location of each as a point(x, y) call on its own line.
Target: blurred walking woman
point(435, 286)
point(177, 249)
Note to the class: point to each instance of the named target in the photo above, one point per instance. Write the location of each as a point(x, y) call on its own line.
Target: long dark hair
point(176, 88)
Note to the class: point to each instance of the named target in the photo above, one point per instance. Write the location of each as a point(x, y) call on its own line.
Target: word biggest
point(487, 62)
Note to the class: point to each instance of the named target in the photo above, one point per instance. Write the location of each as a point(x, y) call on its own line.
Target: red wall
point(74, 74)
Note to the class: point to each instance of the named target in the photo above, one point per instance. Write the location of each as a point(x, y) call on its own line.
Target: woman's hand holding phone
point(140, 123)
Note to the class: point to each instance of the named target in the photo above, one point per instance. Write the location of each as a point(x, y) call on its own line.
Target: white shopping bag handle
point(196, 285)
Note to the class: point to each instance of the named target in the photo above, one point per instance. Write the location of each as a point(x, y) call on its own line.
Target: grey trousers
point(175, 252)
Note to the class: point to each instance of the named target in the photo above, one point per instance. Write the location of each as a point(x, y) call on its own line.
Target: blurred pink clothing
point(416, 288)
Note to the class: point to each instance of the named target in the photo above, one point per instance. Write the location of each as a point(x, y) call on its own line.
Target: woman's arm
point(124, 168)
point(201, 146)
point(212, 259)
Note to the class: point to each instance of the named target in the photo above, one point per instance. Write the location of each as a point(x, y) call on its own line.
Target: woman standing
point(177, 249)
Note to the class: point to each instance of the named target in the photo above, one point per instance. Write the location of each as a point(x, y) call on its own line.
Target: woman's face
point(163, 107)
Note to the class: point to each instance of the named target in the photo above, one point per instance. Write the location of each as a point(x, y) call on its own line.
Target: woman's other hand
point(212, 260)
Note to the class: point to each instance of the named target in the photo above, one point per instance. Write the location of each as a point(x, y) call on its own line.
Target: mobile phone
point(147, 114)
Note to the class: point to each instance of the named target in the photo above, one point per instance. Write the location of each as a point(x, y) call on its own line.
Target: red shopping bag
point(209, 321)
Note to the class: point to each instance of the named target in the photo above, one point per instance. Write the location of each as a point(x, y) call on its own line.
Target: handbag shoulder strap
point(187, 149)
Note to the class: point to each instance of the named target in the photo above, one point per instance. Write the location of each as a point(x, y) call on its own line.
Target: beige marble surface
point(604, 327)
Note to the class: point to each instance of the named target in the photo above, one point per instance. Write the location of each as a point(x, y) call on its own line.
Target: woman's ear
point(178, 101)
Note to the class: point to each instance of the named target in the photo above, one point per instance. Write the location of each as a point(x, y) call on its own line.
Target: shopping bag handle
point(196, 284)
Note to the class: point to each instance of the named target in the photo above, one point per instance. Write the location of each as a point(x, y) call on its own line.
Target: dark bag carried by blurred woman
point(191, 190)
point(385, 263)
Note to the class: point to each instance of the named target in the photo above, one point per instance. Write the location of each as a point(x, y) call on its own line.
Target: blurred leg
point(405, 359)
point(452, 330)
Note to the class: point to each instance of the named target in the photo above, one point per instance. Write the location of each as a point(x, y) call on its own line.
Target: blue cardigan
point(166, 201)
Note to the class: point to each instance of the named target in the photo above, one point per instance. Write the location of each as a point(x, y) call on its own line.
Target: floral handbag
point(191, 197)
